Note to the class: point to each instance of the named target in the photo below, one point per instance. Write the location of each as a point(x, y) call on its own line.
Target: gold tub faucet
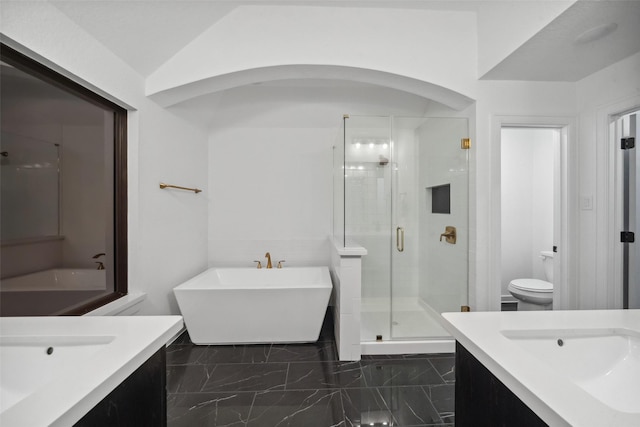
point(100, 264)
point(268, 256)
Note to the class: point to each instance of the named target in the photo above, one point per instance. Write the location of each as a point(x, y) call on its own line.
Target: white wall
point(527, 162)
point(270, 166)
point(270, 190)
point(510, 102)
point(610, 91)
point(167, 230)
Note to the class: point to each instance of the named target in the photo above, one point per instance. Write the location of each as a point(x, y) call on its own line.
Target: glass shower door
point(429, 224)
point(367, 222)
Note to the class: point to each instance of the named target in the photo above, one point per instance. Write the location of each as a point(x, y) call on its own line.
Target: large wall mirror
point(62, 193)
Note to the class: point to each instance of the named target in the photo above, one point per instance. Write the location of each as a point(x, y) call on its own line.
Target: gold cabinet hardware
point(400, 239)
point(449, 234)
point(465, 143)
point(465, 308)
point(163, 186)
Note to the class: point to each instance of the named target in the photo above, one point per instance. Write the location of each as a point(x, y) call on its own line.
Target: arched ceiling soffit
point(218, 83)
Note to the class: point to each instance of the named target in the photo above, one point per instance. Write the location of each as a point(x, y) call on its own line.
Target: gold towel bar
point(195, 190)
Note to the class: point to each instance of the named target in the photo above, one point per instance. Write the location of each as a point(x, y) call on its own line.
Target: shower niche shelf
point(440, 198)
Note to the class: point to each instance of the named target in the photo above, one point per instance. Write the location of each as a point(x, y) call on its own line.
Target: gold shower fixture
point(449, 234)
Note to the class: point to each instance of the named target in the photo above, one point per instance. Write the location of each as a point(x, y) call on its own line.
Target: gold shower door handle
point(400, 239)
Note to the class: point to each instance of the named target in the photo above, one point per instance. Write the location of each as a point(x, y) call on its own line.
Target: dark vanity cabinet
point(140, 400)
point(483, 400)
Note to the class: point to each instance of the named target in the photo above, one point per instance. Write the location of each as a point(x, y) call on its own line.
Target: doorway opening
point(530, 216)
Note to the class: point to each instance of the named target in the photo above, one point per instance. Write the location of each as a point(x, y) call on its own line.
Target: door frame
point(564, 297)
point(609, 165)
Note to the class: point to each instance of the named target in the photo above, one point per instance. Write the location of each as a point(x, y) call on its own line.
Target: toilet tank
point(547, 263)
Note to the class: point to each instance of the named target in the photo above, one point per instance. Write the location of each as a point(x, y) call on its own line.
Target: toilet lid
point(532, 285)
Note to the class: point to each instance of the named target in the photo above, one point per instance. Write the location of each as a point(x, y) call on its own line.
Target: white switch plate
point(586, 203)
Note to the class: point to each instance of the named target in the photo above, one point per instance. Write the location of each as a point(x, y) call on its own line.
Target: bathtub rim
point(194, 283)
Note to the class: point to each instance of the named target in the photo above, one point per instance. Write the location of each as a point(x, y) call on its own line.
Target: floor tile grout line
point(427, 390)
point(262, 391)
point(437, 372)
point(332, 389)
point(286, 377)
point(269, 353)
point(253, 401)
point(434, 408)
point(344, 413)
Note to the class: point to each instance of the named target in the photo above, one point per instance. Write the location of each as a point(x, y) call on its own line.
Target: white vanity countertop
point(532, 365)
point(95, 354)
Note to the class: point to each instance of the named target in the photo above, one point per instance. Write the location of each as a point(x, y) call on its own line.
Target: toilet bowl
point(535, 294)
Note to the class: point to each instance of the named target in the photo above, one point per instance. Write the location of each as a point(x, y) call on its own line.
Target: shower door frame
point(423, 343)
point(608, 249)
point(398, 220)
point(625, 215)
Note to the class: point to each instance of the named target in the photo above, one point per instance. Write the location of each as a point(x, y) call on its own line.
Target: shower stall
point(401, 190)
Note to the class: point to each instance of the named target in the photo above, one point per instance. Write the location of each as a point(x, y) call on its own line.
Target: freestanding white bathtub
point(250, 306)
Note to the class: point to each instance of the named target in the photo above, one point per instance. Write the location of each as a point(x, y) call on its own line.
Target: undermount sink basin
point(571, 368)
point(603, 362)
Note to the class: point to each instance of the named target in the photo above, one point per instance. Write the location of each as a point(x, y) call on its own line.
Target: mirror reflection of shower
point(57, 192)
point(30, 180)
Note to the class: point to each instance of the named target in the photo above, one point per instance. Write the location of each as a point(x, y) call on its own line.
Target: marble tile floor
point(305, 385)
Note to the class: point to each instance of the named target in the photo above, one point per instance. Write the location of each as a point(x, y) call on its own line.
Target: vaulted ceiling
point(538, 40)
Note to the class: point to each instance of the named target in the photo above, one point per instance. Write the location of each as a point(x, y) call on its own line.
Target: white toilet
point(535, 294)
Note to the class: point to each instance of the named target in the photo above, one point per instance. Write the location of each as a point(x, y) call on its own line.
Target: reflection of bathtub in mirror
point(64, 279)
